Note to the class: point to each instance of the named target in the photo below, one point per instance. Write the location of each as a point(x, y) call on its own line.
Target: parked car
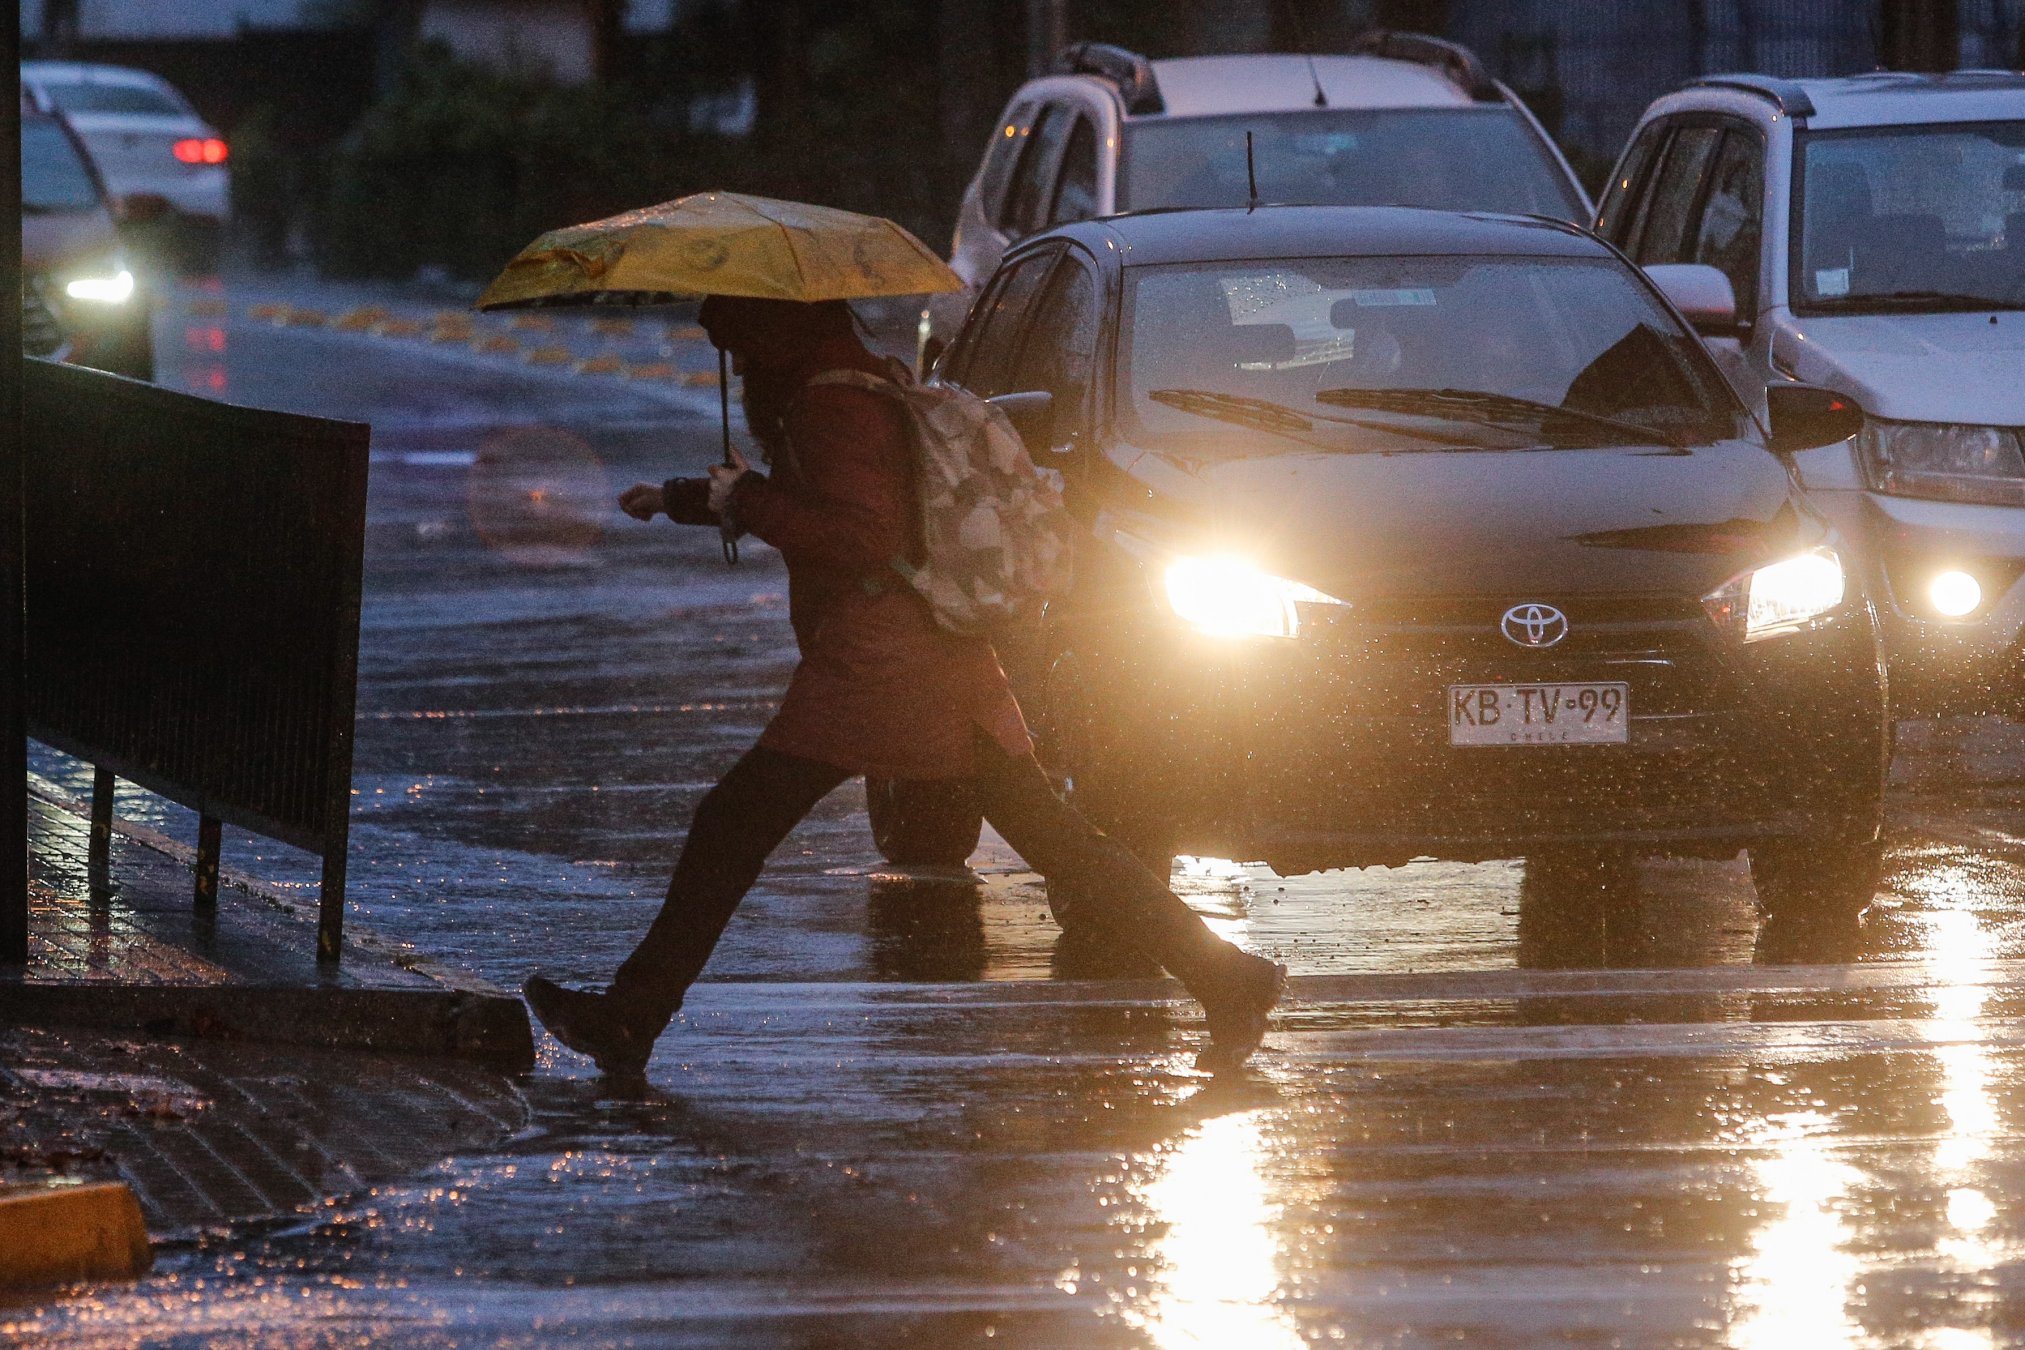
point(1410, 533)
point(80, 299)
point(1405, 120)
point(146, 140)
point(1868, 234)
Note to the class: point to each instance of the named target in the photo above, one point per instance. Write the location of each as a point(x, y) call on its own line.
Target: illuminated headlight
point(1944, 462)
point(1782, 597)
point(116, 289)
point(1226, 596)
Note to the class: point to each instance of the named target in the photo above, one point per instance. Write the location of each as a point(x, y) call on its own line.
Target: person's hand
point(642, 501)
point(722, 476)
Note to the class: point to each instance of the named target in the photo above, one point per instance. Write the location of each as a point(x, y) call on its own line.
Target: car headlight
point(1781, 597)
point(1226, 596)
point(1944, 462)
point(115, 289)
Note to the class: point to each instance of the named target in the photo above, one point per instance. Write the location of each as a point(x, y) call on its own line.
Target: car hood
point(1549, 522)
point(1915, 367)
point(59, 237)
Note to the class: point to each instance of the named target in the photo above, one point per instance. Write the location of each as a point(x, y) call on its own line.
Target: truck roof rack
point(1128, 70)
point(1789, 96)
point(1453, 59)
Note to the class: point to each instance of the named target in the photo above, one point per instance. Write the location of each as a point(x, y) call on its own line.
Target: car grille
point(41, 332)
point(1354, 733)
point(1662, 647)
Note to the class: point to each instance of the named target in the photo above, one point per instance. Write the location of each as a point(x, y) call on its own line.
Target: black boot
point(590, 1024)
point(1237, 1006)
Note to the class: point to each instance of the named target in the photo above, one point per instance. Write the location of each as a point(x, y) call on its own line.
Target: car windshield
point(91, 96)
point(1455, 159)
point(1347, 355)
point(1912, 218)
point(53, 178)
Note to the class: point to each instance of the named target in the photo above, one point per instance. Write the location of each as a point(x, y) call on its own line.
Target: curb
point(489, 1029)
point(66, 1233)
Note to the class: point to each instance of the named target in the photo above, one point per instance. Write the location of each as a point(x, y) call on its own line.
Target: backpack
point(995, 535)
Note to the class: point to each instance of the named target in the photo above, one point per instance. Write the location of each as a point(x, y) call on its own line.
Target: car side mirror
point(1702, 294)
point(1807, 417)
point(1033, 417)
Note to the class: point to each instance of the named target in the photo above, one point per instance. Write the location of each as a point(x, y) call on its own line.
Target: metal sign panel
point(193, 601)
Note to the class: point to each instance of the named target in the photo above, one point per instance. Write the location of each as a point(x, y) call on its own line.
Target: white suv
point(1407, 120)
point(144, 137)
point(1868, 234)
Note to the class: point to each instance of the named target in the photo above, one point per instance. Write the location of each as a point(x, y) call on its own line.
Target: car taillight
point(201, 150)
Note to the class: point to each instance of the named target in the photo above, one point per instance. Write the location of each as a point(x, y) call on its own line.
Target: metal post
point(98, 865)
point(207, 863)
point(13, 530)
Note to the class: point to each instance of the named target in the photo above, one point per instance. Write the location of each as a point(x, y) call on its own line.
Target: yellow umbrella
point(720, 243)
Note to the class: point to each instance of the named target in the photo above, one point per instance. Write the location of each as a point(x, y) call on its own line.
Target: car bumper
point(1940, 665)
point(205, 194)
point(1334, 750)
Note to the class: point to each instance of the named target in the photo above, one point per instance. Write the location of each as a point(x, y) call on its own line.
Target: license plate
point(1538, 714)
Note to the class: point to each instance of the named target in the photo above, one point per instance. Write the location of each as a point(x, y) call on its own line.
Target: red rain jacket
point(881, 689)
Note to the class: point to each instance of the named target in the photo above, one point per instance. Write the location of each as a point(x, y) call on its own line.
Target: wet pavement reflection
point(1507, 1103)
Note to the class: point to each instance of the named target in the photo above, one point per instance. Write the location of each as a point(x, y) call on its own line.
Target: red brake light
point(209, 150)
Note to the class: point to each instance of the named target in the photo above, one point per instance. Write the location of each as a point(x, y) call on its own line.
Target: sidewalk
point(209, 1062)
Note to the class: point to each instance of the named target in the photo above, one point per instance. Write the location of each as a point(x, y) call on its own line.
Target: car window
point(1401, 354)
point(1076, 192)
point(53, 177)
point(87, 96)
point(1664, 221)
point(1032, 182)
point(1450, 159)
point(1004, 152)
point(1057, 353)
point(1906, 218)
point(984, 359)
point(1730, 226)
point(1626, 189)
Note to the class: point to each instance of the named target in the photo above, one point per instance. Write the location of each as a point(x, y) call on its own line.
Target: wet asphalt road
point(893, 1117)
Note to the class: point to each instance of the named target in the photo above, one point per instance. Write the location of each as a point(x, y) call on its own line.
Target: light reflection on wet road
point(1495, 1110)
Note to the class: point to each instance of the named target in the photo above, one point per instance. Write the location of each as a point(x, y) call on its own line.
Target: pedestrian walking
point(881, 689)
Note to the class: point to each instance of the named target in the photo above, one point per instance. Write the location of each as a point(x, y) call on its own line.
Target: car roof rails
point(1129, 71)
point(1790, 97)
point(1454, 60)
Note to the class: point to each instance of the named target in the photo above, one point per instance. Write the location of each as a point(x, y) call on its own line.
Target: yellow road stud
point(653, 370)
point(550, 356)
point(601, 365)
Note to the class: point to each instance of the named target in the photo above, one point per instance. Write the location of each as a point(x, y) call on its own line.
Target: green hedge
point(461, 166)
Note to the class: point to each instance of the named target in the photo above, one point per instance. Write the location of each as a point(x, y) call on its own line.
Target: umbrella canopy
point(720, 243)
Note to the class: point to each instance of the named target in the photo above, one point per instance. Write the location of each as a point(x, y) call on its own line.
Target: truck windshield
point(1453, 159)
point(53, 178)
point(1911, 218)
point(1347, 355)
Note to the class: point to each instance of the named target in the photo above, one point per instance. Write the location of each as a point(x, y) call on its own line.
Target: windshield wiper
point(1265, 415)
point(1941, 300)
point(1483, 405)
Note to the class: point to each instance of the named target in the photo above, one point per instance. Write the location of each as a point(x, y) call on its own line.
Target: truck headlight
point(1781, 597)
point(1227, 596)
point(115, 289)
point(1942, 461)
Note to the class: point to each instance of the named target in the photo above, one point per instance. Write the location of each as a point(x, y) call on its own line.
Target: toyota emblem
point(1534, 625)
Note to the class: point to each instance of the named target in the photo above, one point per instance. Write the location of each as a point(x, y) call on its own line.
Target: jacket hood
point(1916, 367)
point(1555, 522)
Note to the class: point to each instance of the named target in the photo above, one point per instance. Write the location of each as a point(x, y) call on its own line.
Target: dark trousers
point(751, 810)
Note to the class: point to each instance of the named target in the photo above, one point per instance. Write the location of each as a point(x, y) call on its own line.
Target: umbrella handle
point(727, 533)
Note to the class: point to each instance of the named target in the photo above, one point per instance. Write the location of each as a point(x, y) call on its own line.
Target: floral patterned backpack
point(995, 534)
